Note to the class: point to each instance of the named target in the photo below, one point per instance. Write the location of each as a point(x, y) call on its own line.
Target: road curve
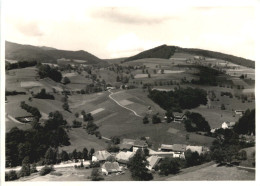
point(110, 96)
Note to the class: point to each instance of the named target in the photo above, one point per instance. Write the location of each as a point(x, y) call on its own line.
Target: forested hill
point(14, 51)
point(219, 55)
point(166, 52)
point(162, 51)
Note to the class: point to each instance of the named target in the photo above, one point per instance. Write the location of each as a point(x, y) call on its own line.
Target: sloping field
point(29, 84)
point(214, 173)
point(79, 139)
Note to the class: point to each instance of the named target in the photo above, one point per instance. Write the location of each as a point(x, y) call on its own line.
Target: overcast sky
point(111, 31)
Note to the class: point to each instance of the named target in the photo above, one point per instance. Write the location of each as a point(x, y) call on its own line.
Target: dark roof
point(128, 141)
point(179, 147)
point(140, 143)
point(125, 146)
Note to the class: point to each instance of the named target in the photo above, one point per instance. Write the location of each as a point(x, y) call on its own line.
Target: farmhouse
point(136, 144)
point(176, 150)
point(110, 167)
point(126, 147)
point(179, 117)
point(100, 156)
point(227, 125)
point(153, 161)
point(123, 157)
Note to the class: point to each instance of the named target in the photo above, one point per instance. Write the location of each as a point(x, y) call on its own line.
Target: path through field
point(110, 96)
point(14, 120)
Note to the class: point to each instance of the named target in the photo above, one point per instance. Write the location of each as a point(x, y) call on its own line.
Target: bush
point(46, 170)
point(95, 175)
point(11, 175)
point(156, 119)
point(43, 95)
point(145, 120)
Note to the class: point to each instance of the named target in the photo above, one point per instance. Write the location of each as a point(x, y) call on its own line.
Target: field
point(214, 173)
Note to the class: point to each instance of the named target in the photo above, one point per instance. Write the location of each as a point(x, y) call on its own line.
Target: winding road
point(110, 96)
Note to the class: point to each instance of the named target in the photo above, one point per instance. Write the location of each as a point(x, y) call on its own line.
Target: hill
point(166, 52)
point(162, 51)
point(14, 51)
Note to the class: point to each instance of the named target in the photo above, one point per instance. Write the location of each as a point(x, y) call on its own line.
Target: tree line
point(179, 98)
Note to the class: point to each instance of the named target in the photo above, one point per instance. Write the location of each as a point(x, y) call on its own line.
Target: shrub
point(145, 120)
point(45, 170)
point(12, 175)
point(95, 175)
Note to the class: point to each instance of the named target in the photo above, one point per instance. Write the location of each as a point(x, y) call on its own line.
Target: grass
point(214, 173)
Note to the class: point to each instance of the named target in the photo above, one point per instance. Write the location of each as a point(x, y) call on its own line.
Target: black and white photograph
point(128, 91)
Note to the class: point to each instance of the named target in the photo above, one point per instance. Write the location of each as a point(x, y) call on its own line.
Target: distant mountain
point(14, 51)
point(166, 52)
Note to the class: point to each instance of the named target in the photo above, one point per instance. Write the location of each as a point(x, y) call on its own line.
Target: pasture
point(214, 173)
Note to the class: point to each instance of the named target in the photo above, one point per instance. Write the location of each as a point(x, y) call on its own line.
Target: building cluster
point(128, 148)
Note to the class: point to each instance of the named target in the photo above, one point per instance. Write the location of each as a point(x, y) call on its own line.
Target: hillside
point(162, 51)
point(166, 52)
point(14, 51)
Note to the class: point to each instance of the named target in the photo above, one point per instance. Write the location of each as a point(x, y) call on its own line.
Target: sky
point(119, 30)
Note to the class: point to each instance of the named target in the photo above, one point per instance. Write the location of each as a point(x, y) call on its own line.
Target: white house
point(100, 155)
point(227, 125)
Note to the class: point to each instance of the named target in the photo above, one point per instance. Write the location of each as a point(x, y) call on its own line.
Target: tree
point(223, 107)
point(85, 153)
point(50, 156)
point(246, 124)
point(169, 166)
point(145, 120)
point(76, 114)
point(26, 169)
point(95, 175)
point(137, 165)
point(162, 71)
point(65, 106)
point(91, 152)
point(64, 156)
point(66, 80)
point(115, 140)
point(156, 119)
point(33, 169)
point(75, 154)
point(192, 158)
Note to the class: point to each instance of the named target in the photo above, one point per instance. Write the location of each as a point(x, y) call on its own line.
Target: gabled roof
point(153, 161)
point(125, 146)
point(179, 147)
point(111, 166)
point(124, 157)
point(140, 143)
point(164, 146)
point(128, 141)
point(137, 143)
point(102, 155)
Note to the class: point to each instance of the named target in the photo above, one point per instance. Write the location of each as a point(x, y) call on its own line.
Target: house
point(123, 157)
point(100, 156)
point(111, 88)
point(126, 147)
point(213, 130)
point(227, 125)
point(153, 161)
point(110, 167)
point(179, 150)
point(139, 144)
point(136, 144)
point(165, 148)
point(177, 117)
point(239, 112)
